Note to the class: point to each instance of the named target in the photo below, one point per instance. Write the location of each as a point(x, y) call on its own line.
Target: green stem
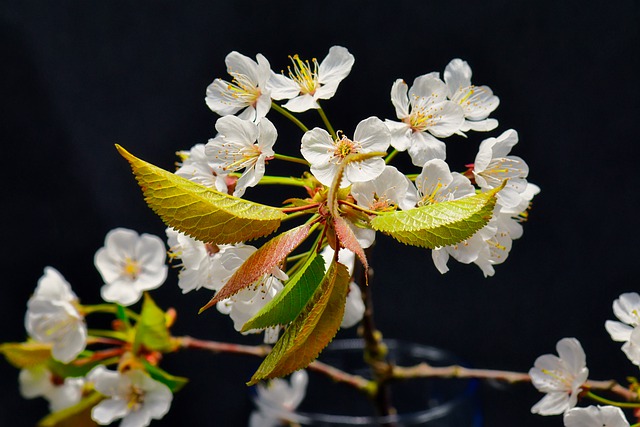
point(282, 180)
point(391, 156)
point(289, 116)
point(291, 159)
point(358, 207)
point(601, 399)
point(107, 334)
point(327, 123)
point(108, 308)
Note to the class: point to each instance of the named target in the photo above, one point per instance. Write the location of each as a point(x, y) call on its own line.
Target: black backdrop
point(78, 77)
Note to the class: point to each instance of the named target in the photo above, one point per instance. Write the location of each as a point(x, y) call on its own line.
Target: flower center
point(246, 157)
point(343, 146)
point(242, 88)
point(420, 119)
point(304, 75)
point(135, 399)
point(131, 268)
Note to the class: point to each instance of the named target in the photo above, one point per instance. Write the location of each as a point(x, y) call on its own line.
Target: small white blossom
point(425, 115)
point(560, 377)
point(627, 309)
point(202, 263)
point(247, 90)
point(595, 416)
point(245, 304)
point(326, 154)
point(354, 306)
point(197, 168)
point(61, 393)
point(278, 399)
point(53, 317)
point(242, 144)
point(133, 396)
point(130, 264)
point(477, 102)
point(309, 82)
point(493, 165)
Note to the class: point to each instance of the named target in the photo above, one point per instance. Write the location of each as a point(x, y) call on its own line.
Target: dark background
point(78, 77)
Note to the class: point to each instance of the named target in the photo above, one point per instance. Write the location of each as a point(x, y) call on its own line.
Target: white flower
point(627, 309)
point(309, 82)
point(202, 263)
point(130, 264)
point(326, 154)
point(477, 102)
point(242, 144)
point(560, 377)
point(245, 304)
point(595, 416)
point(424, 114)
point(354, 307)
point(61, 393)
point(390, 188)
point(197, 168)
point(133, 396)
point(53, 317)
point(247, 91)
point(278, 399)
point(493, 165)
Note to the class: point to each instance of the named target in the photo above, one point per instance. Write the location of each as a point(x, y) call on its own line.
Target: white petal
point(618, 331)
point(354, 308)
point(301, 104)
point(218, 102)
point(440, 258)
point(109, 410)
point(120, 291)
point(400, 134)
point(592, 416)
point(448, 117)
point(425, 147)
point(237, 63)
point(429, 87)
point(485, 125)
point(335, 66)
point(552, 404)
point(626, 306)
point(399, 98)
point(364, 171)
point(316, 146)
point(236, 130)
point(282, 87)
point(457, 74)
point(373, 135)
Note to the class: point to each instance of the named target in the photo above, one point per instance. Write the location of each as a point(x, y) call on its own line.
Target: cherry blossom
point(133, 396)
point(130, 264)
point(197, 168)
point(627, 310)
point(53, 317)
point(561, 378)
point(326, 154)
point(425, 115)
point(310, 81)
point(241, 144)
point(61, 393)
point(477, 102)
point(278, 399)
point(595, 416)
point(247, 90)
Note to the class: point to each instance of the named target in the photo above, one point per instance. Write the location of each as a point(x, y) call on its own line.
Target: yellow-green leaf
point(173, 382)
point(199, 211)
point(26, 354)
point(439, 224)
point(78, 415)
point(312, 330)
point(289, 302)
point(151, 329)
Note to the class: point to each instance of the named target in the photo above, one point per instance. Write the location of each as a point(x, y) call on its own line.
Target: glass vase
point(432, 402)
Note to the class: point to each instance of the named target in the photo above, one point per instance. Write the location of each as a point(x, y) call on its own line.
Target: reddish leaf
point(261, 262)
point(348, 240)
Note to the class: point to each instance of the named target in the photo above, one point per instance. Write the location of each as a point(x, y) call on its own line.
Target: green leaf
point(78, 415)
point(151, 329)
point(199, 211)
point(289, 302)
point(439, 224)
point(312, 330)
point(261, 262)
point(26, 354)
point(173, 382)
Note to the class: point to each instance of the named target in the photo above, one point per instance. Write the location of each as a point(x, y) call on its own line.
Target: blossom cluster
point(564, 378)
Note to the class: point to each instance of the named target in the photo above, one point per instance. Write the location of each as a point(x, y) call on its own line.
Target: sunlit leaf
point(261, 262)
point(26, 354)
point(439, 224)
point(312, 330)
point(289, 302)
point(199, 211)
point(151, 328)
